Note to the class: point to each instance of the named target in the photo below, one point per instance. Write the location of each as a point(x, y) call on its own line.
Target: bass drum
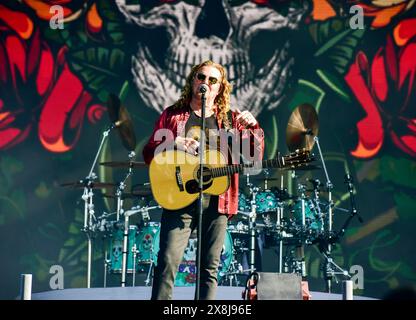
point(186, 275)
point(145, 243)
point(116, 249)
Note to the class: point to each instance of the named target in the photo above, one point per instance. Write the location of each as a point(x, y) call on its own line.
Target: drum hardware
point(279, 220)
point(107, 262)
point(137, 191)
point(308, 224)
point(127, 214)
point(134, 251)
point(252, 227)
point(119, 119)
point(326, 240)
point(124, 164)
point(316, 201)
point(88, 203)
point(89, 184)
point(327, 253)
point(267, 175)
point(231, 275)
point(292, 263)
point(149, 272)
point(119, 212)
point(91, 222)
point(122, 186)
point(306, 167)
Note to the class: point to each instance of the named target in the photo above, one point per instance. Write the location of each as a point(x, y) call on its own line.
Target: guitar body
point(174, 177)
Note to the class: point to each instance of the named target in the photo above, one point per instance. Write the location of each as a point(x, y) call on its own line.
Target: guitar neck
point(229, 170)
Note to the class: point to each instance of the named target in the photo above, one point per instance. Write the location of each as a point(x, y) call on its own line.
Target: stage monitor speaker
point(279, 286)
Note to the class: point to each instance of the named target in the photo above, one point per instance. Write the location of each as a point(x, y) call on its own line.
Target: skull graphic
point(251, 40)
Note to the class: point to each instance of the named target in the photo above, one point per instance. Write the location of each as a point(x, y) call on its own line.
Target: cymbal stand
point(119, 212)
point(149, 272)
point(122, 186)
point(266, 173)
point(127, 215)
point(316, 190)
point(89, 206)
point(302, 189)
point(252, 227)
point(134, 251)
point(329, 272)
point(146, 218)
point(279, 225)
point(107, 261)
point(300, 250)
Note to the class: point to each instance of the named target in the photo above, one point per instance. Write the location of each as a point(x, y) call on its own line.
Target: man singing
point(183, 120)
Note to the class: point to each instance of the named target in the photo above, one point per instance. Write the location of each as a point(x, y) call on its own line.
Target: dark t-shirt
point(193, 130)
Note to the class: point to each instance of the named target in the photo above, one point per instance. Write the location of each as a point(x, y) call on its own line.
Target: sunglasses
point(202, 77)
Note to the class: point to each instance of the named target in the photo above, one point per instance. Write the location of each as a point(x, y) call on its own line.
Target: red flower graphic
point(38, 89)
point(386, 91)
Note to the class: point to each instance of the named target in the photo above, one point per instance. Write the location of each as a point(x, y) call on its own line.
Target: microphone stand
point(201, 185)
point(120, 211)
point(329, 272)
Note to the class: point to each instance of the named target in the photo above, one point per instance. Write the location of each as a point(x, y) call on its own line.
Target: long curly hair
point(222, 100)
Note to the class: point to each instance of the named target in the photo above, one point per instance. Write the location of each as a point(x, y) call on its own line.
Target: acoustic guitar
point(174, 175)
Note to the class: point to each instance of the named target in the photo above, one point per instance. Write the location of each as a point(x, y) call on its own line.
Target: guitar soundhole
point(192, 186)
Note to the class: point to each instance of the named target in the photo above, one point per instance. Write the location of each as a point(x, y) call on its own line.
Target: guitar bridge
point(179, 181)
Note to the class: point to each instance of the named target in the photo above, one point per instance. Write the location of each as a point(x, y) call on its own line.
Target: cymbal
point(120, 117)
point(138, 190)
point(124, 164)
point(93, 185)
point(302, 127)
point(125, 195)
point(142, 190)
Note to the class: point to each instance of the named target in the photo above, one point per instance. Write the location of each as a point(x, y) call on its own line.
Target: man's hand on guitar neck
point(188, 145)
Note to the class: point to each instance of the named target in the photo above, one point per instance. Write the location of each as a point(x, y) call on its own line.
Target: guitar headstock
point(296, 159)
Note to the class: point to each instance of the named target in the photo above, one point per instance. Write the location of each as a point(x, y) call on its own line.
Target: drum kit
point(289, 221)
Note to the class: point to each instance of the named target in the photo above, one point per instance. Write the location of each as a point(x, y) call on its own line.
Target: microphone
point(203, 88)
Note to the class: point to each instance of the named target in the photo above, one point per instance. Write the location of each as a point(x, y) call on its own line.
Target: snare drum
point(186, 275)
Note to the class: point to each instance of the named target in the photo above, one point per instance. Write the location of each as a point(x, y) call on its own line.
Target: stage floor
point(143, 293)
